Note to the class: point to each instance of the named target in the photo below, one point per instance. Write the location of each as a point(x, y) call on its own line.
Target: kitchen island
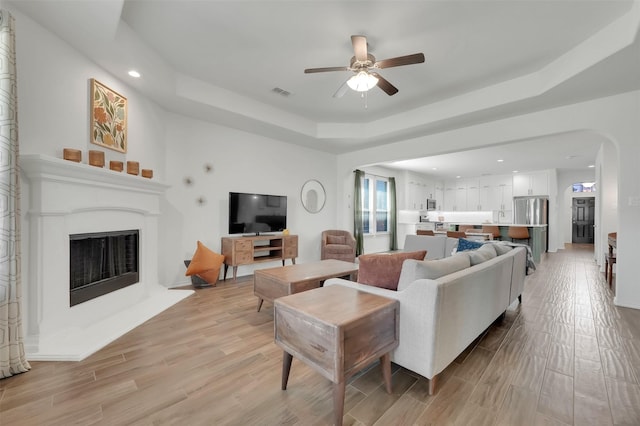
point(537, 235)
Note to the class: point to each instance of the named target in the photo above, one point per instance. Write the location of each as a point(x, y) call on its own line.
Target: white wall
point(53, 96)
point(242, 162)
point(614, 117)
point(607, 176)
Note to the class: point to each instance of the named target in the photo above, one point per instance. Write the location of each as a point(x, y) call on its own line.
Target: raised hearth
point(65, 199)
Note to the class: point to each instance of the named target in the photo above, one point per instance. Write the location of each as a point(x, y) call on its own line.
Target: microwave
point(431, 204)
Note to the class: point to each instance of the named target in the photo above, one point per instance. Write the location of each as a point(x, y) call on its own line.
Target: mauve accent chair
point(338, 244)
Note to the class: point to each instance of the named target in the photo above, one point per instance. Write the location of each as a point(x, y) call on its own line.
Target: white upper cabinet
point(495, 192)
point(535, 183)
point(439, 195)
point(473, 195)
point(417, 190)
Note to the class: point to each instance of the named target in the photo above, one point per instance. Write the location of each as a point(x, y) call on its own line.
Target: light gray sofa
point(437, 246)
point(440, 317)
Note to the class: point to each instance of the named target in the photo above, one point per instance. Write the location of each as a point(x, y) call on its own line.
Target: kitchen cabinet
point(439, 195)
point(473, 195)
point(455, 195)
point(527, 184)
point(461, 197)
point(449, 196)
point(417, 190)
point(495, 193)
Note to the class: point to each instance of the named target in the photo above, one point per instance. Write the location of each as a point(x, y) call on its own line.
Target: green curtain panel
point(12, 357)
point(357, 212)
point(393, 228)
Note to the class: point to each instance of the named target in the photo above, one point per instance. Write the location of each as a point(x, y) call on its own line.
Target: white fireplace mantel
point(68, 198)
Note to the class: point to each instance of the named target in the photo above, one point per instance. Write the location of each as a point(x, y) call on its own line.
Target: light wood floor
point(566, 356)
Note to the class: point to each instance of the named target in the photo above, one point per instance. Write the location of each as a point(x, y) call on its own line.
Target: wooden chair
point(424, 232)
point(519, 233)
point(493, 230)
point(456, 234)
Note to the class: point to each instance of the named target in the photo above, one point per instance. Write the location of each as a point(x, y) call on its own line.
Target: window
point(584, 187)
point(375, 204)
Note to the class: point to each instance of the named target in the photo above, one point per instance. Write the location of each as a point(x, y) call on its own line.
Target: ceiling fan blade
point(384, 84)
point(314, 70)
point(416, 58)
point(342, 89)
point(359, 47)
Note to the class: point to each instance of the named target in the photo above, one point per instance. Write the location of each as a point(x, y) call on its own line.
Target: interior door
point(583, 220)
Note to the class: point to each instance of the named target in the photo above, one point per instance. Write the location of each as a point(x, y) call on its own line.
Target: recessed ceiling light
point(500, 160)
point(458, 177)
point(134, 73)
point(515, 171)
point(591, 166)
point(434, 168)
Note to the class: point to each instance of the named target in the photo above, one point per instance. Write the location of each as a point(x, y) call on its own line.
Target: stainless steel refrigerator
point(530, 211)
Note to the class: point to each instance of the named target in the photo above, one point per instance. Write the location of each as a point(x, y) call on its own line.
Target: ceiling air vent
point(281, 92)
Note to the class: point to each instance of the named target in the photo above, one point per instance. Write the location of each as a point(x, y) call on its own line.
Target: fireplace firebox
point(102, 262)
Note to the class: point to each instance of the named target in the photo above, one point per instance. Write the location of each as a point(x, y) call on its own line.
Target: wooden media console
point(258, 248)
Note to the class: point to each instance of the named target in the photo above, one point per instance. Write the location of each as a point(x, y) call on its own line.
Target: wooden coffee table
point(269, 284)
point(337, 331)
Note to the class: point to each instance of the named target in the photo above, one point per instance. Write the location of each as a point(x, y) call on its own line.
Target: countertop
point(495, 224)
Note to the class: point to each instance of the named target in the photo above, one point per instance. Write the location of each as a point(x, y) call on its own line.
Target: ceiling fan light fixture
point(362, 81)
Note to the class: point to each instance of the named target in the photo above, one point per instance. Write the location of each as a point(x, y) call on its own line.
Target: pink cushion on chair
point(383, 269)
point(336, 239)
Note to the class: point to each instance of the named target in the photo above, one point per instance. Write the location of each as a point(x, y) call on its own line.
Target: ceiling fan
point(363, 65)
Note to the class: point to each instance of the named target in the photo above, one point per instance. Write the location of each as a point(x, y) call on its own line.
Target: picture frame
point(108, 123)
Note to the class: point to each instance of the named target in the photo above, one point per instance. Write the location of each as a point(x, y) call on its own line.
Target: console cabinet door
point(243, 252)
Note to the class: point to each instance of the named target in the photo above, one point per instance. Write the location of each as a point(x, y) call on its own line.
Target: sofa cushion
point(338, 249)
point(336, 239)
point(464, 244)
point(451, 246)
point(383, 269)
point(501, 248)
point(431, 269)
point(437, 246)
point(482, 254)
point(205, 263)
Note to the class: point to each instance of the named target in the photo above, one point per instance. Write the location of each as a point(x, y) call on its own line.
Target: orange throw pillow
point(383, 269)
point(206, 264)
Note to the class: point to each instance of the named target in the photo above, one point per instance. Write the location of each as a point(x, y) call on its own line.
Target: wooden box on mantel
point(133, 167)
point(72, 154)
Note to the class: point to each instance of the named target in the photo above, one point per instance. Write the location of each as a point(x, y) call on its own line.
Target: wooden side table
point(337, 331)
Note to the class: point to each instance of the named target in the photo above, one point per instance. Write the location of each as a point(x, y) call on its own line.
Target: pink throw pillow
point(383, 269)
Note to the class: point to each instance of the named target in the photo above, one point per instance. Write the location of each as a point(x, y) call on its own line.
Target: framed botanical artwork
point(108, 117)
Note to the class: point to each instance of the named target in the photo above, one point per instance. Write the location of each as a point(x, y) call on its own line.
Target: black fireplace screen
point(102, 262)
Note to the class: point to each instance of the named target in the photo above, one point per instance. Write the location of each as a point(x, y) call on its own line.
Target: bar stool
point(493, 230)
point(456, 234)
point(519, 233)
point(609, 261)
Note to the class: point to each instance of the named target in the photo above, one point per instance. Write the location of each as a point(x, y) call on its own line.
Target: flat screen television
point(256, 213)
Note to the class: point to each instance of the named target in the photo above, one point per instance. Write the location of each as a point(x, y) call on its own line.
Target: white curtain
point(12, 357)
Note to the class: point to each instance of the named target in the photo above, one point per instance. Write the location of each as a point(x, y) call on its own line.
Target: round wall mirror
point(313, 196)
